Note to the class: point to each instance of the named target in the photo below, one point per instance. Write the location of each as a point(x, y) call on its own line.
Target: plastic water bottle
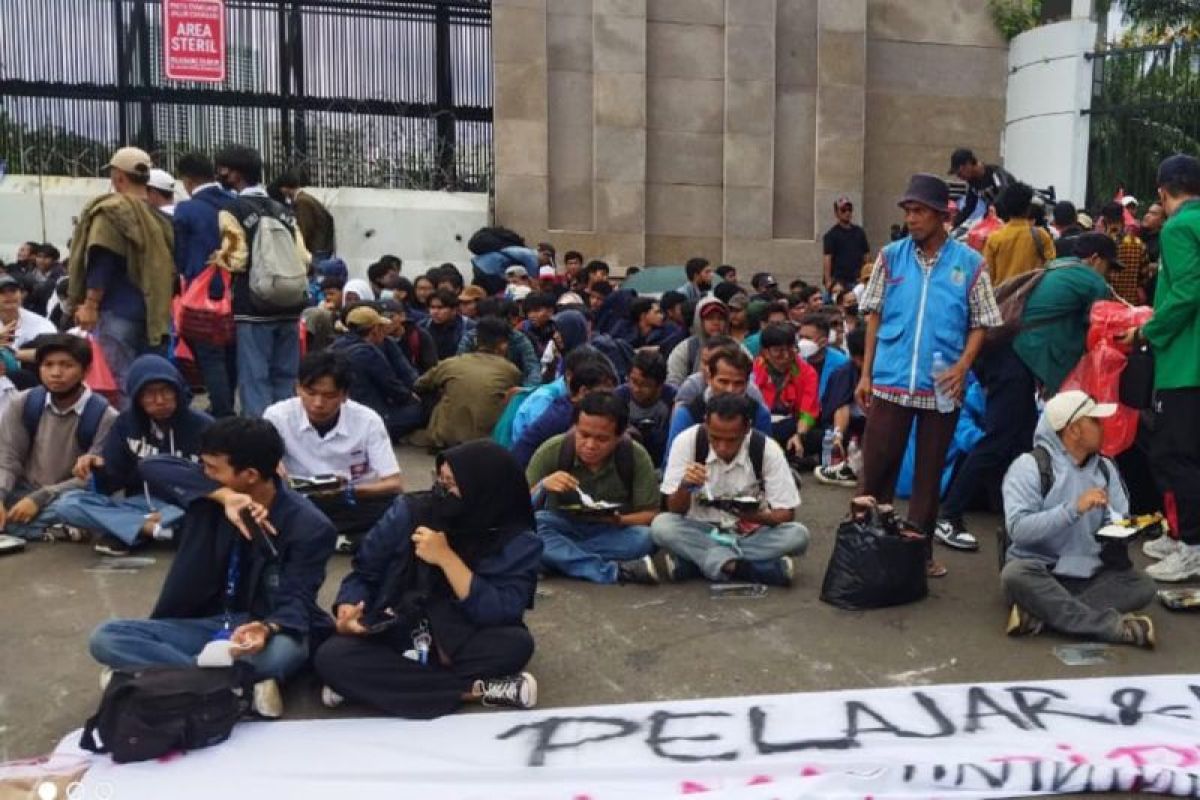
point(945, 403)
point(854, 457)
point(827, 448)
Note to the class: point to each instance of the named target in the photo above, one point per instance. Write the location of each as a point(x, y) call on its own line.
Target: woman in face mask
point(431, 615)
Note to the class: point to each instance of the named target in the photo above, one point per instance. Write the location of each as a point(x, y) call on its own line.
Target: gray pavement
point(596, 644)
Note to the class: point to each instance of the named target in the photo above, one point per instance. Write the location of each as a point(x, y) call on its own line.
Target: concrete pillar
point(519, 56)
point(841, 107)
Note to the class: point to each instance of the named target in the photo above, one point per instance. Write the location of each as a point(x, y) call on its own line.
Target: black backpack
point(146, 714)
point(758, 446)
point(1045, 468)
point(622, 459)
point(89, 419)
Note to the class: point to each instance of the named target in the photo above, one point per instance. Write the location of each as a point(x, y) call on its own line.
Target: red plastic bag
point(980, 231)
point(100, 378)
point(1111, 318)
point(202, 319)
point(1099, 374)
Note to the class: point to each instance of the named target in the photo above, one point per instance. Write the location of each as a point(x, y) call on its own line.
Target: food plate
point(1116, 532)
point(1180, 599)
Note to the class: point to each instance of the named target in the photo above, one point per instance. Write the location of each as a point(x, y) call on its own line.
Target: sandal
point(935, 569)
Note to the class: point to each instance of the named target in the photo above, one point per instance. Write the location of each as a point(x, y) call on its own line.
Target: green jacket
point(1056, 320)
point(1174, 330)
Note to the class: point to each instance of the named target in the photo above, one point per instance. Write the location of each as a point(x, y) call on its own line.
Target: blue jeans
point(121, 341)
point(131, 644)
point(268, 358)
point(116, 517)
point(689, 539)
point(35, 529)
point(589, 550)
point(218, 368)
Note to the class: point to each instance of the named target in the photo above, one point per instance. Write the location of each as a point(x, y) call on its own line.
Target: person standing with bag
point(1174, 335)
point(262, 247)
point(928, 296)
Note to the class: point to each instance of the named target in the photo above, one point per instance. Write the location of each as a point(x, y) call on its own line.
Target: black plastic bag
point(872, 565)
point(1137, 379)
point(493, 238)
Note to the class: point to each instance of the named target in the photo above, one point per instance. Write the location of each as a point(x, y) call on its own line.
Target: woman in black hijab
point(431, 614)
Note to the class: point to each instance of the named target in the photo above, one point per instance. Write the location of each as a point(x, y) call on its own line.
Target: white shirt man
point(750, 542)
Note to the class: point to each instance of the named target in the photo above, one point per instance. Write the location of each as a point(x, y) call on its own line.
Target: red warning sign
point(194, 40)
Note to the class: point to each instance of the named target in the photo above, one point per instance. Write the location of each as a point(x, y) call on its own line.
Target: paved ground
point(595, 644)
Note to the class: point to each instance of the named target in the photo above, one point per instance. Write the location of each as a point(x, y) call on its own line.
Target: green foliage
point(1014, 17)
point(1147, 108)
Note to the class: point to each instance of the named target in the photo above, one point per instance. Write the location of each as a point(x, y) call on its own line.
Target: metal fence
point(1145, 106)
point(383, 93)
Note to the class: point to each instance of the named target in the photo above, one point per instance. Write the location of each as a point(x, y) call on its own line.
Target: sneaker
point(1022, 623)
point(67, 533)
point(639, 570)
point(677, 570)
point(512, 691)
point(836, 475)
point(162, 534)
point(1160, 548)
point(330, 698)
point(112, 546)
point(776, 573)
point(106, 674)
point(1137, 630)
point(268, 702)
point(954, 535)
point(11, 544)
point(1181, 565)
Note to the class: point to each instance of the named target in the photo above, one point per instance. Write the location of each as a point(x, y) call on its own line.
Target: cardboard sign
point(194, 40)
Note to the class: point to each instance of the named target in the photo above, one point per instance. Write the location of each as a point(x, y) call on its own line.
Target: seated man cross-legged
point(596, 459)
point(719, 476)
point(327, 434)
point(256, 589)
point(1059, 574)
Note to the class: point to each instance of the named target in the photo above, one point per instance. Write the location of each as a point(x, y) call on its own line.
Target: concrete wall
point(649, 131)
point(422, 228)
point(1049, 92)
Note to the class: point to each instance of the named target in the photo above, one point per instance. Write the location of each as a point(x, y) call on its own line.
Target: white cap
point(161, 179)
point(516, 271)
point(1067, 407)
point(1129, 200)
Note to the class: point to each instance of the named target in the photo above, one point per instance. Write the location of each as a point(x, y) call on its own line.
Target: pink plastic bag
point(981, 230)
point(1099, 374)
point(100, 378)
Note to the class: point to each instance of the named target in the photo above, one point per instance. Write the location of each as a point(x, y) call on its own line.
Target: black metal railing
point(384, 93)
point(1145, 106)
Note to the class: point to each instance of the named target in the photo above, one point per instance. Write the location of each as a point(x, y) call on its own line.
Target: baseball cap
point(547, 273)
point(516, 271)
point(739, 301)
point(130, 159)
point(365, 317)
point(1096, 244)
point(7, 281)
point(161, 179)
point(1066, 407)
point(842, 201)
point(714, 309)
point(960, 157)
point(763, 280)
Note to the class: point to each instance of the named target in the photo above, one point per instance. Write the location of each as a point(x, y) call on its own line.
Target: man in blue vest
point(928, 295)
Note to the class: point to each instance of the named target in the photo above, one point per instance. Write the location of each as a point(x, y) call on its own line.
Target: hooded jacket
point(1050, 529)
point(135, 436)
point(684, 358)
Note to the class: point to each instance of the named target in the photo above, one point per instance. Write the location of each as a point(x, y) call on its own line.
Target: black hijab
point(495, 505)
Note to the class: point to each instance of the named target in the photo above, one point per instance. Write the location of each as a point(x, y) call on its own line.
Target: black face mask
point(448, 507)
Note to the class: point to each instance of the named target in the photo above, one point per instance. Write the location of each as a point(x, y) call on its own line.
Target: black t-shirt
point(848, 246)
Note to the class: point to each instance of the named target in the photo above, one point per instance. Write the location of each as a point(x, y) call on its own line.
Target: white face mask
point(387, 294)
point(808, 348)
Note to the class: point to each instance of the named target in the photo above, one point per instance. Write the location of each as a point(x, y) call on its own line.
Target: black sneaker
point(512, 691)
point(677, 569)
point(743, 572)
point(779, 572)
point(112, 546)
point(639, 570)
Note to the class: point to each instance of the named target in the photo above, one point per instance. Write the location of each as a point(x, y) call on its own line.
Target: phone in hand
point(256, 532)
point(379, 621)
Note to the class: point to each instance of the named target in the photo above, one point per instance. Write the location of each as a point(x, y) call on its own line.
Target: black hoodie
point(135, 436)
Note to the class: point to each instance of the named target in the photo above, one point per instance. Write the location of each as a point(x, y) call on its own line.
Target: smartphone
point(379, 622)
point(256, 532)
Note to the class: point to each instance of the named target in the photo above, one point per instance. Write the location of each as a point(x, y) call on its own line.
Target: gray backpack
point(278, 276)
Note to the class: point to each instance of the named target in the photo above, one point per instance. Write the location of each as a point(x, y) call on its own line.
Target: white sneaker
point(1161, 547)
point(268, 702)
point(1181, 565)
point(330, 698)
point(10, 544)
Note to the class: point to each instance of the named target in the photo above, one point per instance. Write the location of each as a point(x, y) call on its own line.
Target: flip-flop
point(935, 569)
